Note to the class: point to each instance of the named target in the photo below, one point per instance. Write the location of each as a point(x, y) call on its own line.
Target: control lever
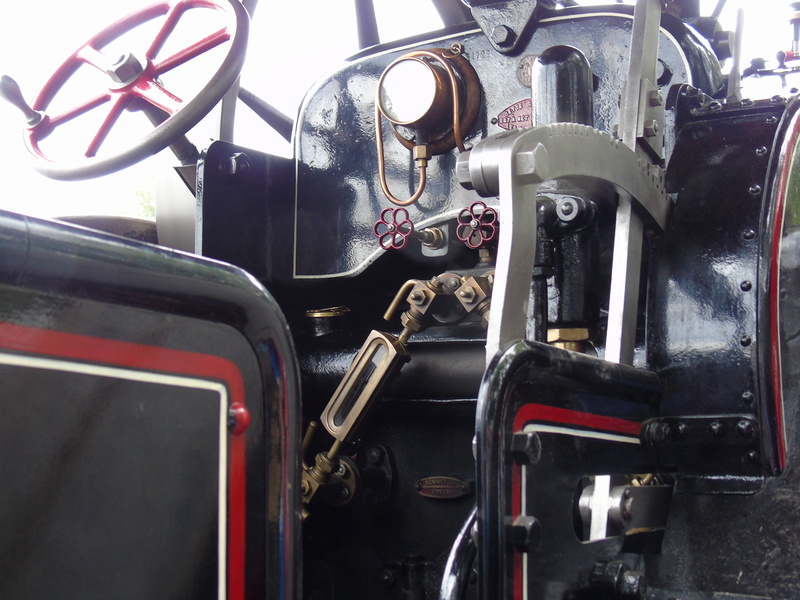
point(10, 91)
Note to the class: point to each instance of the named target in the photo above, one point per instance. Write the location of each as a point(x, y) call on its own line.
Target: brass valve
point(447, 297)
point(331, 479)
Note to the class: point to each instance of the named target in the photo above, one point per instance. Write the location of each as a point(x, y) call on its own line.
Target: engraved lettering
point(516, 116)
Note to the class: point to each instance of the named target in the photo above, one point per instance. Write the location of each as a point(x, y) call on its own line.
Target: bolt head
point(467, 293)
point(374, 455)
point(651, 128)
point(533, 166)
point(503, 36)
point(655, 98)
point(632, 586)
point(418, 297)
point(525, 533)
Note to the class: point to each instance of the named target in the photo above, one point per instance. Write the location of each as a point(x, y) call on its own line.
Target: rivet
point(749, 234)
point(745, 340)
point(745, 429)
point(761, 151)
point(387, 578)
point(715, 105)
point(748, 397)
point(746, 286)
point(751, 456)
point(771, 120)
point(493, 121)
point(715, 429)
point(374, 455)
point(746, 102)
point(777, 99)
point(755, 189)
point(681, 431)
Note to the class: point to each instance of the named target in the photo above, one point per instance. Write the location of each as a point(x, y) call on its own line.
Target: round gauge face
point(407, 91)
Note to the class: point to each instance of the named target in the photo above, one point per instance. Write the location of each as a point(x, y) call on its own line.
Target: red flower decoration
point(393, 228)
point(477, 225)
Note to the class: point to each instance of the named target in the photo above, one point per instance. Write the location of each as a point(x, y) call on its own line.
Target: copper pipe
point(398, 298)
point(459, 139)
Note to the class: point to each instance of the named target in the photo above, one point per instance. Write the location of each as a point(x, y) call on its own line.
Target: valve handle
point(11, 92)
point(394, 228)
point(477, 225)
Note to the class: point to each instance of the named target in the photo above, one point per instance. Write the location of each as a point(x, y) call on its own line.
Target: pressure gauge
point(415, 93)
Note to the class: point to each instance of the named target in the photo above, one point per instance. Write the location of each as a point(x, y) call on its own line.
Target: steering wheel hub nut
point(125, 70)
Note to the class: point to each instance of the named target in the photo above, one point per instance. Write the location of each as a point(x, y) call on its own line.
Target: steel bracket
point(512, 165)
point(507, 23)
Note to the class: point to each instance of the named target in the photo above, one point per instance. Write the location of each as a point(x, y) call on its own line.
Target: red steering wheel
point(134, 82)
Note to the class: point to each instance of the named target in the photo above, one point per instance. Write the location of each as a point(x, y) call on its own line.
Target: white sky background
point(291, 45)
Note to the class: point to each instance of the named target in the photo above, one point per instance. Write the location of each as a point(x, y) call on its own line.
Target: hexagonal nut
point(632, 586)
point(421, 152)
point(126, 68)
point(503, 36)
point(420, 295)
point(567, 334)
point(410, 323)
point(525, 533)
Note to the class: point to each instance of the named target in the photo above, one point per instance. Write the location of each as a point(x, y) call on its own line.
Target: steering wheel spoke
point(134, 83)
point(173, 17)
point(105, 127)
point(193, 51)
point(156, 95)
point(78, 110)
point(92, 56)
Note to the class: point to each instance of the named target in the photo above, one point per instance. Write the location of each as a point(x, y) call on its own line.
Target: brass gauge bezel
point(439, 107)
